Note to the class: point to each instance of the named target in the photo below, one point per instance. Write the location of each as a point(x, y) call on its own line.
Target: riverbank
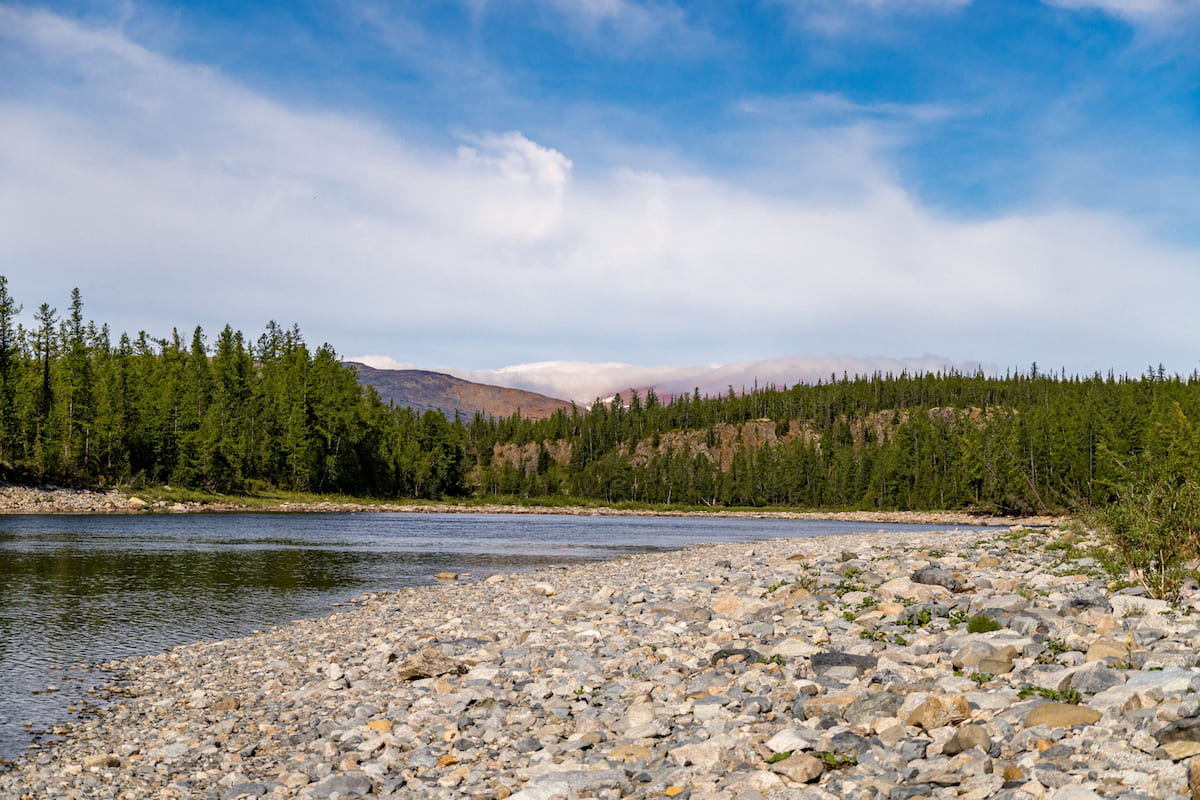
point(57, 500)
point(827, 667)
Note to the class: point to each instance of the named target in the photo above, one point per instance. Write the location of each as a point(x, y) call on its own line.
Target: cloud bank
point(174, 195)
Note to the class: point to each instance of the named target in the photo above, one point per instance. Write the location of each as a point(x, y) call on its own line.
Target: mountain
point(422, 390)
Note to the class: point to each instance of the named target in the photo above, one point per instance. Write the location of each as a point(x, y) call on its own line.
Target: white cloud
point(584, 382)
point(173, 196)
point(1139, 11)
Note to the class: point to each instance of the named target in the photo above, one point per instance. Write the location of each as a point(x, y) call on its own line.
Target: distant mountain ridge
point(422, 390)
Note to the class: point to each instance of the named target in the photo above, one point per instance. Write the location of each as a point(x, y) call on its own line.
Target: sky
point(520, 190)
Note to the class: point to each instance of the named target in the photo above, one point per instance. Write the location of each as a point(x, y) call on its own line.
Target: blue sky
point(485, 184)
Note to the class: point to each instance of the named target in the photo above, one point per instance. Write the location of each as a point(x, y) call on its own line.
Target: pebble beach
point(854, 666)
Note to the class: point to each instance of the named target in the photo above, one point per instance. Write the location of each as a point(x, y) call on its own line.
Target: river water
point(88, 589)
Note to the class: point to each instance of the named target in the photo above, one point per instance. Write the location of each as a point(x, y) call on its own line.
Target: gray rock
point(823, 662)
point(873, 704)
point(936, 576)
point(349, 785)
point(1180, 730)
point(1089, 598)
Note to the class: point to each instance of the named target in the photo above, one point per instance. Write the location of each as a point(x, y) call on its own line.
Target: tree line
point(1021, 443)
point(234, 415)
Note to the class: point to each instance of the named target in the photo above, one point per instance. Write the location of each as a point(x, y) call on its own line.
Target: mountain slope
point(422, 390)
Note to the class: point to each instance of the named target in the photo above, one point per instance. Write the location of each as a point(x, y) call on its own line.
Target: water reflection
point(88, 589)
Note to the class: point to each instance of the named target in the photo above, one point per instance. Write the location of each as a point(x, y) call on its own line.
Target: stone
point(823, 662)
point(429, 663)
point(1089, 598)
point(446, 576)
point(987, 562)
point(543, 589)
point(1106, 648)
point(937, 712)
point(227, 703)
point(1177, 751)
point(967, 737)
point(1186, 729)
point(348, 785)
point(827, 706)
point(936, 576)
point(799, 768)
point(1061, 715)
point(1194, 778)
point(790, 740)
point(1166, 680)
point(102, 760)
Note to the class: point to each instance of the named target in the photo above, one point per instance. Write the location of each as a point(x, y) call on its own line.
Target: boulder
point(936, 576)
point(1061, 715)
point(937, 712)
point(429, 663)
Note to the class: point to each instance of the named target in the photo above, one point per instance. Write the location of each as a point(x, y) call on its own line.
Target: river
point(88, 589)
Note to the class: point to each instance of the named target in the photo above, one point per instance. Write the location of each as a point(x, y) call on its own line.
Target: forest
point(234, 415)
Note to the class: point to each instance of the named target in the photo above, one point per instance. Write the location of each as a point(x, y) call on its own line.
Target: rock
point(348, 785)
point(1105, 648)
point(987, 562)
point(1177, 751)
point(937, 712)
point(1186, 729)
point(789, 740)
point(799, 768)
point(543, 589)
point(827, 706)
point(1090, 598)
point(1167, 680)
point(446, 576)
point(227, 703)
point(965, 738)
point(1061, 715)
point(429, 663)
point(102, 760)
point(745, 654)
point(1194, 778)
point(823, 662)
point(936, 576)
point(1126, 606)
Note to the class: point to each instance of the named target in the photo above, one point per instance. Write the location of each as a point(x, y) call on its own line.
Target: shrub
point(981, 623)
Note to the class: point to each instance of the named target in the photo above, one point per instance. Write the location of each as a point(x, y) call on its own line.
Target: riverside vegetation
point(251, 417)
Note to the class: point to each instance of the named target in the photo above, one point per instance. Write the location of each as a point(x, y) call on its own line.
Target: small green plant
point(775, 659)
point(981, 623)
point(874, 636)
point(1072, 696)
point(837, 760)
point(981, 677)
point(936, 553)
point(849, 615)
point(775, 759)
point(959, 617)
point(1055, 645)
point(775, 586)
point(869, 601)
point(900, 640)
point(1134, 611)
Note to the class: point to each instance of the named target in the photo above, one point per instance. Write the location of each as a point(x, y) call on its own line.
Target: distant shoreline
point(16, 499)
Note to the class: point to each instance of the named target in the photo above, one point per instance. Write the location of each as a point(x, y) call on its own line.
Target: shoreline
point(716, 672)
point(49, 500)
